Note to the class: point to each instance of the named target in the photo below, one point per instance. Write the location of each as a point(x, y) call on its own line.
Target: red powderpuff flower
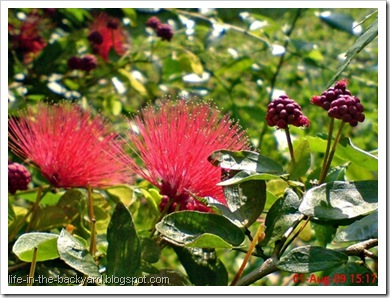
point(69, 146)
point(174, 142)
point(106, 33)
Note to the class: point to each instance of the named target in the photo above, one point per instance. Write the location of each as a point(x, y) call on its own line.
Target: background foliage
point(239, 58)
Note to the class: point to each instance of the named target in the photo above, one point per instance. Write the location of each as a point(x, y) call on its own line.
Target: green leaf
point(340, 200)
point(346, 151)
point(359, 45)
point(189, 62)
point(131, 14)
point(324, 233)
point(245, 176)
point(202, 266)
point(306, 259)
point(124, 251)
point(245, 160)
point(246, 200)
point(120, 193)
point(353, 274)
point(45, 242)
point(73, 252)
point(302, 160)
point(150, 250)
point(48, 218)
point(166, 277)
point(137, 85)
point(184, 227)
point(280, 216)
point(363, 229)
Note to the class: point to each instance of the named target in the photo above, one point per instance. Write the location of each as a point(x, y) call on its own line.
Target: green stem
point(163, 213)
point(331, 155)
point(324, 162)
point(290, 146)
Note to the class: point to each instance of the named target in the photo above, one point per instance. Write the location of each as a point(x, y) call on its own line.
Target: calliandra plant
point(69, 146)
point(106, 33)
point(173, 143)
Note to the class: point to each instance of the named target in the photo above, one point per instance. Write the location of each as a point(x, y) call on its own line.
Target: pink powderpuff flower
point(107, 33)
point(69, 146)
point(174, 143)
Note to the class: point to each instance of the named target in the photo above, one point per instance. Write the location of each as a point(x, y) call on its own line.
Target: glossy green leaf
point(45, 242)
point(202, 266)
point(363, 229)
point(340, 200)
point(184, 227)
point(124, 251)
point(246, 200)
point(281, 216)
point(306, 259)
point(245, 160)
point(366, 38)
point(73, 252)
point(353, 274)
point(302, 160)
point(166, 277)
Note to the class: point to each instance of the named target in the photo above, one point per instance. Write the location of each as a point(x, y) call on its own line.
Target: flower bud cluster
point(284, 111)
point(162, 30)
point(18, 177)
point(87, 63)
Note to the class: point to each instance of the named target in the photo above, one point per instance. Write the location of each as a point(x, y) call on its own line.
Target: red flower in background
point(174, 142)
point(68, 145)
point(106, 33)
point(27, 39)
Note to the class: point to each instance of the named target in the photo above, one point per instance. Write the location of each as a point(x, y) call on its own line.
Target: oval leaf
point(340, 200)
point(124, 251)
point(246, 200)
point(353, 274)
point(45, 242)
point(306, 259)
point(363, 229)
point(302, 160)
point(73, 252)
point(202, 266)
point(245, 160)
point(281, 216)
point(184, 227)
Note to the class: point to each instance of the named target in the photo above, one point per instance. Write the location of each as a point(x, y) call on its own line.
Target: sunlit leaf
point(185, 227)
point(340, 200)
point(245, 160)
point(363, 229)
point(46, 243)
point(302, 160)
point(73, 252)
